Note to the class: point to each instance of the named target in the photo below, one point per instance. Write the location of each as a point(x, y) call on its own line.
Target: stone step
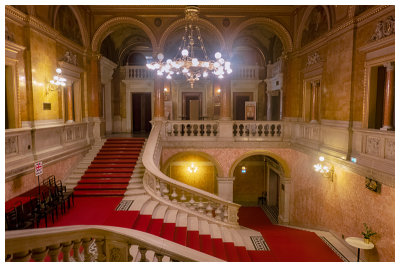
point(135, 180)
point(132, 192)
point(135, 186)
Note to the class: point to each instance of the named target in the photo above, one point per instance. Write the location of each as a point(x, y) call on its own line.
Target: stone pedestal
point(225, 187)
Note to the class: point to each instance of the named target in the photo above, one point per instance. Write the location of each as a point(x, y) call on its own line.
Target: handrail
point(112, 243)
point(188, 198)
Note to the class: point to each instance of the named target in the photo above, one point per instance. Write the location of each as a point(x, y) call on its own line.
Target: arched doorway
point(258, 180)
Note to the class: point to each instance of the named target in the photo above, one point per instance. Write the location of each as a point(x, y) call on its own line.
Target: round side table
point(358, 243)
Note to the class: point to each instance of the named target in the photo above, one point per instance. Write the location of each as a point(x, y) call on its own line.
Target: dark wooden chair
point(263, 198)
point(66, 196)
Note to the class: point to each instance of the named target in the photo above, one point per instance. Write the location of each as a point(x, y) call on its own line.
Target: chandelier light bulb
point(185, 70)
point(216, 64)
point(169, 61)
point(205, 74)
point(55, 78)
point(159, 72)
point(218, 55)
point(62, 83)
point(169, 77)
point(58, 70)
point(321, 158)
point(221, 76)
point(185, 52)
point(195, 62)
point(160, 56)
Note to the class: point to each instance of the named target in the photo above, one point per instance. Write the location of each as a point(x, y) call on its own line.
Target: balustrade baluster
point(182, 130)
point(100, 245)
point(174, 195)
point(192, 203)
point(241, 127)
point(130, 258)
point(259, 127)
point(209, 209)
point(86, 243)
point(76, 246)
point(215, 129)
point(272, 129)
point(165, 191)
point(142, 252)
point(234, 129)
point(208, 129)
point(201, 129)
point(266, 127)
point(189, 131)
point(54, 251)
point(225, 214)
point(66, 249)
point(158, 191)
point(200, 206)
point(159, 257)
point(38, 254)
point(176, 129)
point(21, 256)
point(218, 213)
point(195, 129)
point(183, 198)
point(278, 133)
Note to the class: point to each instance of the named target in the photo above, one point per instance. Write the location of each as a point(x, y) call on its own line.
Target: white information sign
point(38, 168)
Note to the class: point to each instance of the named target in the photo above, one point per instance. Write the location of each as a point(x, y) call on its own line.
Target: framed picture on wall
point(250, 111)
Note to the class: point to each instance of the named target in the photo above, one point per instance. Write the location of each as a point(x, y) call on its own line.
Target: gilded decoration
point(316, 25)
point(313, 59)
point(70, 58)
point(383, 29)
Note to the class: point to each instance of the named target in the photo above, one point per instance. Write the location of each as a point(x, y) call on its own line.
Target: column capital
point(389, 66)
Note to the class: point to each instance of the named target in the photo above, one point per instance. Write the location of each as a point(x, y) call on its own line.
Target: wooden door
point(141, 112)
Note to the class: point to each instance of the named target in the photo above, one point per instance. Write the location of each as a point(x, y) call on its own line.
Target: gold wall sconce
point(326, 170)
point(57, 81)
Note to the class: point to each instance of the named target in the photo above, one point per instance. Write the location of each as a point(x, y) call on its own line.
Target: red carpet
point(286, 244)
point(111, 169)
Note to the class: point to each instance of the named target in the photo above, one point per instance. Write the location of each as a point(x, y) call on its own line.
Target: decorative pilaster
point(269, 106)
point(225, 187)
point(94, 89)
point(284, 200)
point(314, 88)
point(159, 98)
point(70, 118)
point(388, 104)
point(226, 99)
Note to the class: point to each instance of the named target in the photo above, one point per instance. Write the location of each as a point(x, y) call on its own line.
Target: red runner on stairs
point(111, 169)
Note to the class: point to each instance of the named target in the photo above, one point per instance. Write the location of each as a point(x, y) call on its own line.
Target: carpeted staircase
point(110, 171)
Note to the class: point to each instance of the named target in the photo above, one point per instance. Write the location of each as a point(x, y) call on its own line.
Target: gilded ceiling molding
point(299, 35)
point(109, 26)
point(200, 22)
point(272, 25)
point(81, 24)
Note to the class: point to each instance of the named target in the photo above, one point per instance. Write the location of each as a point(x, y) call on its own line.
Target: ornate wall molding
point(313, 58)
point(384, 28)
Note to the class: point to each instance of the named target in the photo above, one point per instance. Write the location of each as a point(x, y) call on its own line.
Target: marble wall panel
point(341, 206)
point(44, 64)
point(29, 181)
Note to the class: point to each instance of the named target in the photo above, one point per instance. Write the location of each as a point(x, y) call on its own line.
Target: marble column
point(388, 98)
point(70, 118)
point(159, 98)
point(314, 88)
point(225, 187)
point(94, 90)
point(226, 99)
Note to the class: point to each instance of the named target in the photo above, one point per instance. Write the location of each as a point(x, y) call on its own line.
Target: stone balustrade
point(192, 128)
point(211, 130)
point(192, 201)
point(100, 243)
point(45, 143)
point(259, 130)
point(246, 73)
point(137, 73)
point(274, 69)
point(182, 196)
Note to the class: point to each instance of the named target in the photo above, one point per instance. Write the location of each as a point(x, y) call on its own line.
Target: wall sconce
point(192, 168)
point(166, 93)
point(244, 170)
point(58, 80)
point(326, 170)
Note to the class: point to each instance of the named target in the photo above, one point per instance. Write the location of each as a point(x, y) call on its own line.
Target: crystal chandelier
point(186, 62)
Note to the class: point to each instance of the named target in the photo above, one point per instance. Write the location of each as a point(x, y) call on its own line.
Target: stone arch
point(217, 165)
point(282, 162)
point(201, 22)
point(273, 25)
point(108, 27)
point(304, 20)
point(81, 24)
